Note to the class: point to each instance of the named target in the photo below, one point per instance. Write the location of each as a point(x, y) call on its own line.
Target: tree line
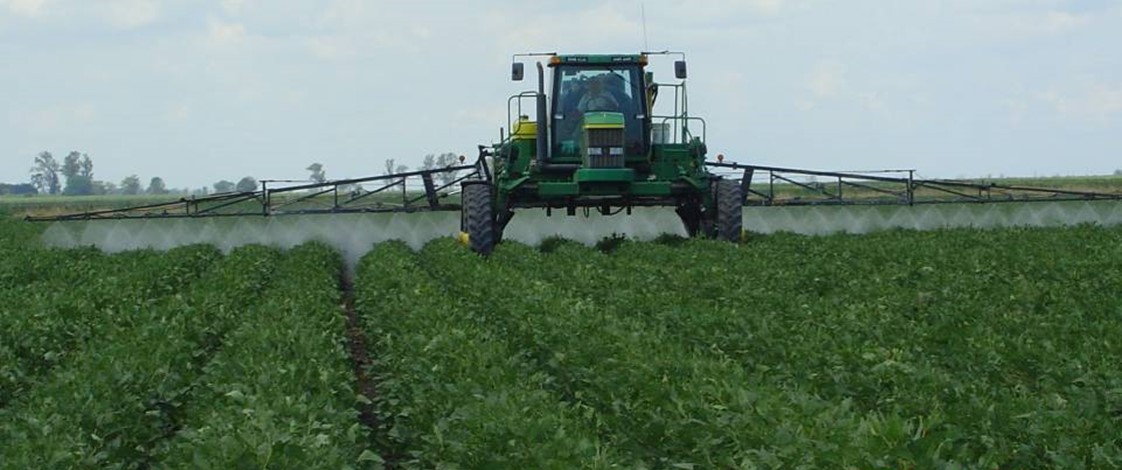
point(74, 176)
point(430, 162)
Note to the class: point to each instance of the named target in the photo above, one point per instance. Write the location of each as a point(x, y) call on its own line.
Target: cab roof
point(597, 59)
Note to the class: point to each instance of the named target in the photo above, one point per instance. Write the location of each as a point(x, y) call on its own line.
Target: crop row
point(110, 405)
point(956, 348)
point(243, 366)
point(960, 348)
point(173, 359)
point(659, 402)
point(44, 322)
point(451, 391)
point(277, 394)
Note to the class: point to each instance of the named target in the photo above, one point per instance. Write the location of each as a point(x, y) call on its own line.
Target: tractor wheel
point(730, 213)
point(477, 221)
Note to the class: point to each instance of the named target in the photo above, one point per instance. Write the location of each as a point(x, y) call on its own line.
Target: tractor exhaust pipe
point(543, 134)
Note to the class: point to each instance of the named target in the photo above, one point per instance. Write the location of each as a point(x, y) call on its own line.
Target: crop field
point(954, 348)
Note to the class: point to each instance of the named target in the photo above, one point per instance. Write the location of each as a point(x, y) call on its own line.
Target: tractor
point(596, 144)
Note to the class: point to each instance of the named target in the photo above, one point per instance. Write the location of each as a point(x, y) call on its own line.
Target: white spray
point(354, 234)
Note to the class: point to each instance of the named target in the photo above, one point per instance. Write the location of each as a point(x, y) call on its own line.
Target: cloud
point(604, 27)
point(827, 80)
point(233, 7)
point(872, 101)
point(1044, 23)
point(221, 33)
point(1018, 108)
point(54, 117)
point(24, 7)
point(1093, 100)
point(1055, 22)
point(178, 112)
point(331, 48)
point(128, 14)
point(767, 7)
point(724, 9)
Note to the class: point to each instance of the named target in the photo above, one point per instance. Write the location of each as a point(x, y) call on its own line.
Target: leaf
point(369, 456)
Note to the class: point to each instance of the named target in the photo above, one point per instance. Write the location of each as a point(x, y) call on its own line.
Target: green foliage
point(452, 393)
point(19, 189)
point(610, 243)
point(111, 404)
point(317, 173)
point(78, 185)
point(277, 394)
point(551, 244)
point(45, 174)
point(156, 186)
point(67, 298)
point(131, 185)
point(246, 184)
point(78, 170)
point(947, 349)
point(224, 186)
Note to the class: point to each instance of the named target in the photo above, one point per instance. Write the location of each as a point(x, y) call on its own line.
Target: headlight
point(615, 151)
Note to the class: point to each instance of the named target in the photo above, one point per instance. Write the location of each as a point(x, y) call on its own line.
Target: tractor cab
point(599, 110)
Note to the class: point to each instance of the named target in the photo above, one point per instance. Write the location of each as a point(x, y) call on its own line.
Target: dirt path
point(360, 358)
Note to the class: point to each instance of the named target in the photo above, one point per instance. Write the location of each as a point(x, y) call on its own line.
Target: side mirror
point(516, 71)
point(680, 69)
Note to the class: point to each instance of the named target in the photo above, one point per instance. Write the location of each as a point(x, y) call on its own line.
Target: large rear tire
point(730, 210)
point(477, 220)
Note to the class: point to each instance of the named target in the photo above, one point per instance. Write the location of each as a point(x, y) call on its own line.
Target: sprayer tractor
point(592, 142)
point(595, 144)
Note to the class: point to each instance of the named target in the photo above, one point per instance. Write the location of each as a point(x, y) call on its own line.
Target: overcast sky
point(197, 91)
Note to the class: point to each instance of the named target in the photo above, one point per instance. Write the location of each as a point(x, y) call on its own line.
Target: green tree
point(318, 174)
point(224, 186)
point(131, 185)
point(78, 170)
point(103, 187)
point(44, 175)
point(156, 186)
point(247, 184)
point(71, 165)
point(18, 189)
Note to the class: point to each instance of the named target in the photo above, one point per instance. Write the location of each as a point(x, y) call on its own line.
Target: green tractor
point(595, 144)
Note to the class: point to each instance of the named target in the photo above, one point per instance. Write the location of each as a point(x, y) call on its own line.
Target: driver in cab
point(597, 98)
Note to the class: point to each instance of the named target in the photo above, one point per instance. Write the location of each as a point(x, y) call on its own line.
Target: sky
point(195, 91)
